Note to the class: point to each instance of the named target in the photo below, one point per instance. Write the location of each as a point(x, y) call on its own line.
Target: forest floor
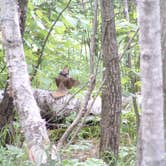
point(82, 150)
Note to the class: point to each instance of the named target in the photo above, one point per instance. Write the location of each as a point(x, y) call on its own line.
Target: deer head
point(63, 83)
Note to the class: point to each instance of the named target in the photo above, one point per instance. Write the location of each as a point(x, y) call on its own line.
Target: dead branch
point(86, 114)
point(79, 115)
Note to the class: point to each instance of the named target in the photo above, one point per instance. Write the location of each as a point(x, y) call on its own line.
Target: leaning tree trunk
point(111, 93)
point(32, 125)
point(163, 51)
point(7, 112)
point(151, 139)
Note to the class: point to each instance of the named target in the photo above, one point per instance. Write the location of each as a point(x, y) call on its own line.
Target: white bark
point(32, 125)
point(58, 107)
point(163, 50)
point(151, 138)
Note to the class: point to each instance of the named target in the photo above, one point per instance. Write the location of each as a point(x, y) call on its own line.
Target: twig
point(93, 38)
point(86, 114)
point(45, 42)
point(128, 44)
point(2, 69)
point(91, 85)
point(79, 115)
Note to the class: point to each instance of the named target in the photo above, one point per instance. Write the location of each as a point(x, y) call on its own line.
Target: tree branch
point(45, 42)
point(128, 44)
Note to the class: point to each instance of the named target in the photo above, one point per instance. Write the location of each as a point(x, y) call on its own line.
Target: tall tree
point(7, 113)
point(111, 93)
point(151, 139)
point(32, 125)
point(163, 51)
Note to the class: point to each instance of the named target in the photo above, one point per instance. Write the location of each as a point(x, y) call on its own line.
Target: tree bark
point(32, 125)
point(163, 52)
point(23, 5)
point(111, 93)
point(151, 139)
point(6, 106)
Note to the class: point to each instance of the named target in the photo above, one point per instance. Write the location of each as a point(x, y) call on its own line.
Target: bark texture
point(163, 51)
point(23, 5)
point(151, 139)
point(111, 93)
point(6, 106)
point(32, 125)
point(7, 114)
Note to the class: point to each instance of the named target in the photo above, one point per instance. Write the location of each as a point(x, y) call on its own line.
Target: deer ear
point(65, 70)
point(71, 82)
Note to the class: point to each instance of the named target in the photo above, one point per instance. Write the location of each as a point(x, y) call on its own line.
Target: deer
point(63, 83)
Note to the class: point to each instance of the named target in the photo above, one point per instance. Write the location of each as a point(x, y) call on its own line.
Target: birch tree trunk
point(151, 139)
point(7, 112)
point(163, 51)
point(32, 125)
point(111, 93)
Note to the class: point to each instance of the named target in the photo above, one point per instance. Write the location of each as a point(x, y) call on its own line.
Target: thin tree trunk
point(151, 139)
point(32, 125)
point(126, 10)
point(111, 93)
point(93, 38)
point(163, 51)
point(135, 106)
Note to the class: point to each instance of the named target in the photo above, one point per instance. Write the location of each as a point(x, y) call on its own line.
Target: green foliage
point(81, 154)
point(13, 156)
point(56, 134)
point(109, 158)
point(91, 129)
point(88, 162)
point(127, 156)
point(11, 133)
point(128, 128)
point(67, 44)
point(89, 132)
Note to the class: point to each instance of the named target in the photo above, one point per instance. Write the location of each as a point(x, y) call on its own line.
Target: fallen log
point(48, 103)
point(54, 108)
point(57, 108)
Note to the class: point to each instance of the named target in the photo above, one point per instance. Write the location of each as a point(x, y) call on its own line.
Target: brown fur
point(64, 82)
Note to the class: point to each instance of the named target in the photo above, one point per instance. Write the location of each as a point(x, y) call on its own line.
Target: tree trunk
point(151, 139)
point(6, 106)
point(163, 52)
point(111, 93)
point(32, 125)
point(23, 5)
